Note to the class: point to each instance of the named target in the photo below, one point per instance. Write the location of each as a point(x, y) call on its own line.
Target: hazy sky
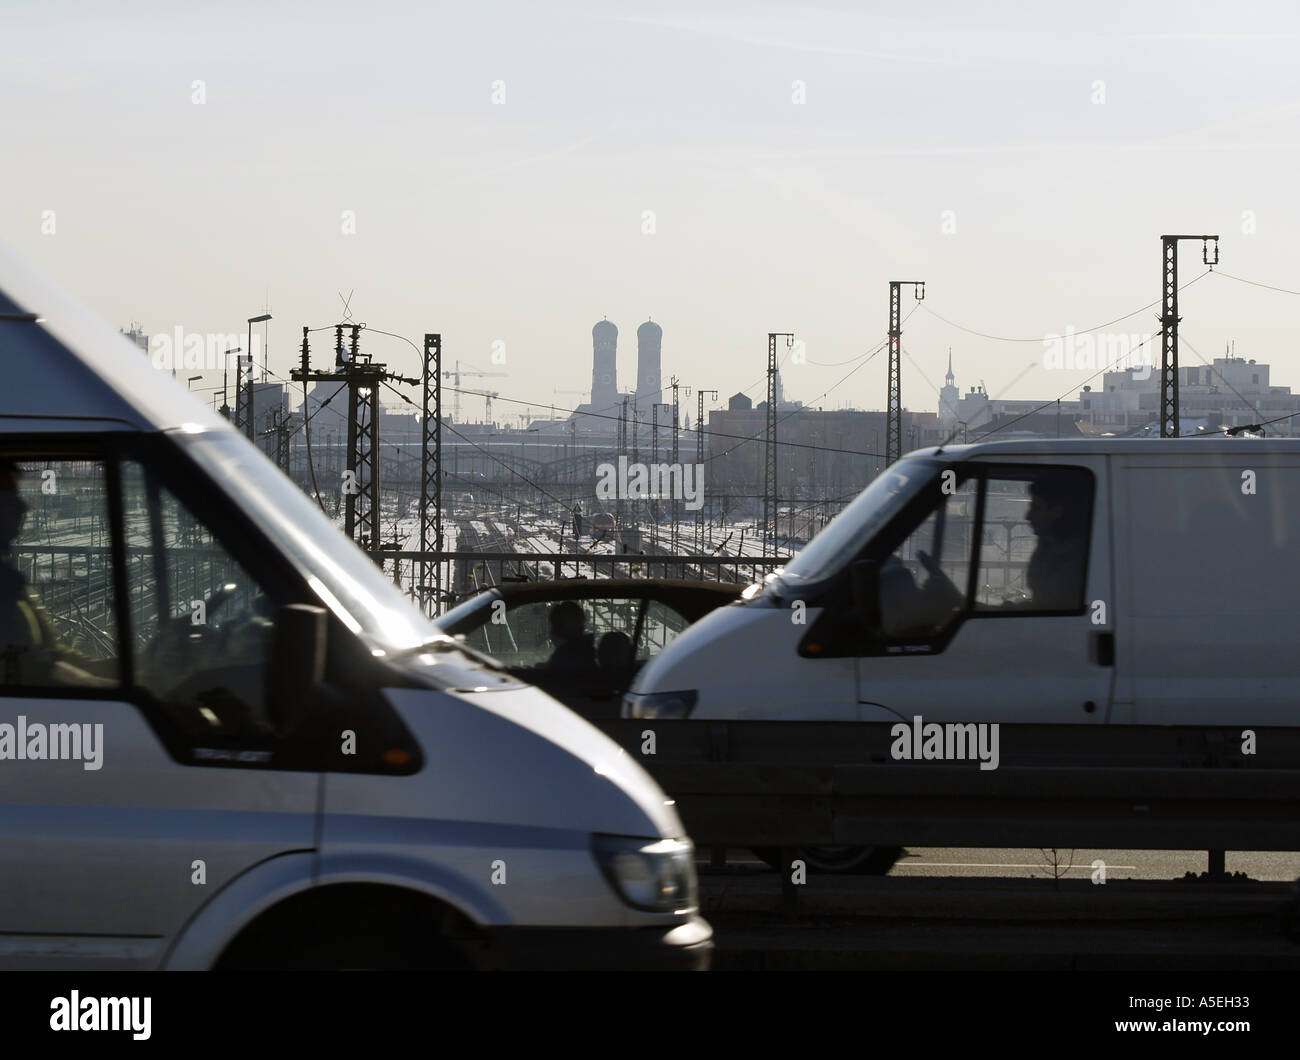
point(522, 221)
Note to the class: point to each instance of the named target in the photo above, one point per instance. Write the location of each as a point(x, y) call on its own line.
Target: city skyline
point(442, 172)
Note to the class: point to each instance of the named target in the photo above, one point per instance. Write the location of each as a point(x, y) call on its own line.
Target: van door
point(995, 599)
point(139, 775)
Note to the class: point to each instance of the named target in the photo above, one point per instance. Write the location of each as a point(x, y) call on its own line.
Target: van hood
point(690, 659)
point(519, 757)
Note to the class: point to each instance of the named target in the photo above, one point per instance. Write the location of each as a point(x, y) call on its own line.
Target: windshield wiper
point(444, 643)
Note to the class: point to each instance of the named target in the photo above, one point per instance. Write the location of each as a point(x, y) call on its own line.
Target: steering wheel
point(180, 636)
point(218, 599)
point(938, 585)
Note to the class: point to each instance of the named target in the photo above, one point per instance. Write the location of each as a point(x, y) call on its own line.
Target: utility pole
point(573, 464)
point(652, 507)
point(699, 462)
point(676, 462)
point(279, 430)
point(431, 476)
point(225, 375)
point(619, 505)
point(894, 403)
point(360, 479)
point(244, 394)
point(250, 421)
point(1169, 326)
point(636, 459)
point(769, 463)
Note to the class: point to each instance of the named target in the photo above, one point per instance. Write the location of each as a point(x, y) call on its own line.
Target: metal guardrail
point(502, 566)
point(788, 784)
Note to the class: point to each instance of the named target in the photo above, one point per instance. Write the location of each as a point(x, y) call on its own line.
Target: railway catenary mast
point(359, 482)
point(1169, 326)
point(894, 400)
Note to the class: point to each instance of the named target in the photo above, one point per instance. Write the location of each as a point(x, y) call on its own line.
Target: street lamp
point(191, 379)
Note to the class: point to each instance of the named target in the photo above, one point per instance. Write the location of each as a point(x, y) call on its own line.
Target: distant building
point(819, 453)
point(974, 412)
point(604, 365)
point(649, 380)
point(601, 414)
point(136, 335)
point(949, 396)
point(1231, 392)
point(740, 403)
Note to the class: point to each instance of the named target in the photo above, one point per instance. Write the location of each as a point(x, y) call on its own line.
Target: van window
point(924, 582)
point(659, 626)
point(841, 540)
point(1025, 531)
point(347, 580)
point(525, 637)
point(518, 637)
point(57, 605)
point(1034, 540)
point(201, 627)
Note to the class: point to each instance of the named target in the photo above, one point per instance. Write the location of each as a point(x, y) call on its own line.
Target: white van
point(227, 740)
point(1086, 581)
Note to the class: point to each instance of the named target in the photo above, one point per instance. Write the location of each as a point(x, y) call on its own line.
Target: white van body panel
point(97, 866)
point(598, 763)
point(513, 787)
point(1211, 618)
point(200, 945)
point(743, 662)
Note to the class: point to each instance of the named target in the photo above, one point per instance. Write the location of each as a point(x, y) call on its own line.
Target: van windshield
point(341, 574)
point(848, 533)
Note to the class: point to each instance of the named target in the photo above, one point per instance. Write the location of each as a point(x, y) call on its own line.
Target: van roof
point(65, 368)
point(1213, 443)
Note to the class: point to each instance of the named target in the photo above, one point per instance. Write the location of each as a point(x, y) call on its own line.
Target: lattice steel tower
point(894, 402)
point(1169, 326)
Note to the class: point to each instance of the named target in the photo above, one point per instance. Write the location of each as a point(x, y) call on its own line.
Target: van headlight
point(653, 874)
point(659, 704)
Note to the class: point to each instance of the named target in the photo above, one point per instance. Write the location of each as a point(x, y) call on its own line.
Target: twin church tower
point(605, 397)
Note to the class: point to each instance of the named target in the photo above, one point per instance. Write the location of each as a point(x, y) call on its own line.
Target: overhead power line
point(1077, 331)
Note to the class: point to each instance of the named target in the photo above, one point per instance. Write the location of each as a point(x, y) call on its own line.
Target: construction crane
point(455, 375)
point(488, 395)
point(577, 393)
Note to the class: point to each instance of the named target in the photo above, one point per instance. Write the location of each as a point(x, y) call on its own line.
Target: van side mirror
point(297, 664)
point(864, 578)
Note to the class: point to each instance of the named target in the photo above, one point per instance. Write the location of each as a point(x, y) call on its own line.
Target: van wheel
point(354, 926)
point(860, 861)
